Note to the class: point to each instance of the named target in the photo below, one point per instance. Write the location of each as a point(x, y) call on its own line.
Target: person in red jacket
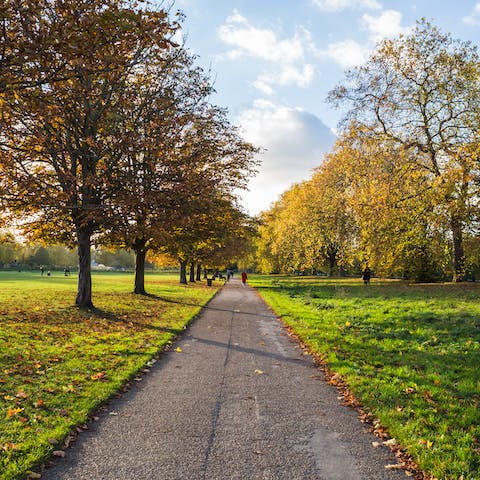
point(244, 278)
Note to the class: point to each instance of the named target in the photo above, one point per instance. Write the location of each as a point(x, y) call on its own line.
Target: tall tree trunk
point(84, 290)
point(458, 252)
point(183, 272)
point(192, 272)
point(332, 260)
point(199, 272)
point(140, 256)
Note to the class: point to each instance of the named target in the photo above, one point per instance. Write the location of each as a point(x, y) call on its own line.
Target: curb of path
point(406, 462)
point(93, 416)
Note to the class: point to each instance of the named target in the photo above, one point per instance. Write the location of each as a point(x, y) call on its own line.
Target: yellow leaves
point(9, 446)
point(39, 403)
point(259, 372)
point(178, 350)
point(425, 443)
point(98, 376)
point(68, 388)
point(12, 412)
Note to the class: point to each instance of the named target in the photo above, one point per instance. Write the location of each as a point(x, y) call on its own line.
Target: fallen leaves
point(425, 443)
point(12, 412)
point(9, 446)
point(259, 372)
point(390, 443)
point(394, 466)
point(33, 475)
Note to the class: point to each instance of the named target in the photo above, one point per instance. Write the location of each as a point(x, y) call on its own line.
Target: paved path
point(240, 401)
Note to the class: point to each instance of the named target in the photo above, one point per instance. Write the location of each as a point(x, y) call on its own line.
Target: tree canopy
point(107, 127)
point(399, 191)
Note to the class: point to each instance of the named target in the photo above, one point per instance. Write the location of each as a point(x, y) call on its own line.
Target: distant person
point(48, 274)
point(229, 274)
point(41, 271)
point(244, 278)
point(366, 275)
point(66, 271)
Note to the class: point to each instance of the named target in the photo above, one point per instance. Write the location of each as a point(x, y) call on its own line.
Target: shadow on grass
point(111, 317)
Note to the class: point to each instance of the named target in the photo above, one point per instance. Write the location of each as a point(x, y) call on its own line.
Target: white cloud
point(288, 75)
point(264, 44)
point(338, 5)
point(347, 53)
point(260, 43)
point(262, 83)
point(295, 141)
point(386, 25)
point(474, 17)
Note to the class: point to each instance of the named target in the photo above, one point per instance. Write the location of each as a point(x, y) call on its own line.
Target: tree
point(393, 203)
point(60, 151)
point(421, 91)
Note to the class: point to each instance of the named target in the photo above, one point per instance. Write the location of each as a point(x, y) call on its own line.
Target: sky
point(273, 63)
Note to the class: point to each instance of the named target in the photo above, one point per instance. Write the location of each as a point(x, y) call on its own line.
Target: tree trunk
point(458, 253)
point(332, 260)
point(84, 290)
point(192, 272)
point(183, 272)
point(140, 256)
point(199, 273)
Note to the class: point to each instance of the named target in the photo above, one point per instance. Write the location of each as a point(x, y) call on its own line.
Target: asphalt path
point(234, 398)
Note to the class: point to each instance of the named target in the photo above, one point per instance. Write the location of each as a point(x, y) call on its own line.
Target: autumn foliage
point(399, 191)
point(106, 127)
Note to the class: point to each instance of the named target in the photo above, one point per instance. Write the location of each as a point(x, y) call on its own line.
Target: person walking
point(366, 275)
point(244, 278)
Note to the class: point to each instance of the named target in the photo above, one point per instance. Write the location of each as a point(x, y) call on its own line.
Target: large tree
point(421, 91)
point(60, 148)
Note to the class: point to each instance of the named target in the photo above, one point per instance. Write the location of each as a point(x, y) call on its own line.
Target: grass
point(57, 363)
point(409, 353)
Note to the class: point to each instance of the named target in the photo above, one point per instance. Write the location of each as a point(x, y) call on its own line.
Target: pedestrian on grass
point(244, 278)
point(366, 275)
point(41, 271)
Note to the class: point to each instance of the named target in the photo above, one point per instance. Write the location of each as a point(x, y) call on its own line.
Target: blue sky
point(274, 62)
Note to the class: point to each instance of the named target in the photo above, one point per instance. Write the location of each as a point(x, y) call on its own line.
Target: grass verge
point(57, 363)
point(409, 353)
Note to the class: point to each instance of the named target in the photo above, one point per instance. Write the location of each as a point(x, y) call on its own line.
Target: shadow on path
point(254, 351)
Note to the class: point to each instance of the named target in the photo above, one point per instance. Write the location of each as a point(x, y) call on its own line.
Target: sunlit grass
point(58, 363)
point(410, 353)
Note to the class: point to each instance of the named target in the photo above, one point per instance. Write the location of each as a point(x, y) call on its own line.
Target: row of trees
point(14, 254)
point(107, 134)
point(400, 189)
point(21, 255)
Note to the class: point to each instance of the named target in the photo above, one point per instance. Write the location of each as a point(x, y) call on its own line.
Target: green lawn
point(57, 363)
point(410, 353)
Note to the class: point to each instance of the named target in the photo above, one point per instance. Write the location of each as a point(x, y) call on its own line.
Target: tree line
point(15, 255)
point(108, 135)
point(399, 191)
